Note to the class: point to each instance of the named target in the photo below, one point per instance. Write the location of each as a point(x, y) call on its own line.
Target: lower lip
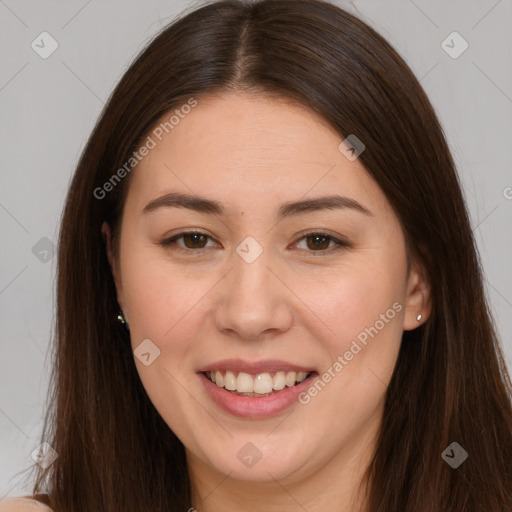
point(254, 407)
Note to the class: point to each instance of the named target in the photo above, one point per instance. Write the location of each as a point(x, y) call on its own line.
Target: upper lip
point(254, 367)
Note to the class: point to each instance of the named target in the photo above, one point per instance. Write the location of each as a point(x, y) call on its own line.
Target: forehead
point(248, 150)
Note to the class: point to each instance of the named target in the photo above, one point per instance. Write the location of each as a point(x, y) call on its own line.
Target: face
point(297, 310)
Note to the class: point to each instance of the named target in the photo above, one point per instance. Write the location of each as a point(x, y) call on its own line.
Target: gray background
point(48, 108)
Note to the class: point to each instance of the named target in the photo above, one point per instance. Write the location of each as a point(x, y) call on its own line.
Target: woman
point(269, 296)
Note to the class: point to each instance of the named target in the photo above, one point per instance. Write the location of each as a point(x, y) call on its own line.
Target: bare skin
point(199, 301)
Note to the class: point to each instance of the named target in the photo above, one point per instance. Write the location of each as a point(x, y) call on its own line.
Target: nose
point(254, 301)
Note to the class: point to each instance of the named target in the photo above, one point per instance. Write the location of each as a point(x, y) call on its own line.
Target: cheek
point(365, 312)
point(163, 303)
point(156, 292)
point(167, 304)
point(356, 297)
point(367, 352)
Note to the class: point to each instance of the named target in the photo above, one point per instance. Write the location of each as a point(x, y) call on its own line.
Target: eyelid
point(340, 242)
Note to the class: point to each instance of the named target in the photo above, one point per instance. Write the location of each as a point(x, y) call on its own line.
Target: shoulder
point(20, 504)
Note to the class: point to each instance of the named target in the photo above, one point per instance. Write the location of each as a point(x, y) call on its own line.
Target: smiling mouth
point(254, 386)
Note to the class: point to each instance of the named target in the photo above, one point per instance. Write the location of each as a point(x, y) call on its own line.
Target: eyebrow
point(211, 207)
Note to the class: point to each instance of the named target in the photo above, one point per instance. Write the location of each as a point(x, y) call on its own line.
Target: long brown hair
point(450, 383)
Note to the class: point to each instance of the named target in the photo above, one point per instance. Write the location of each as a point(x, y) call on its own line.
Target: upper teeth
point(261, 383)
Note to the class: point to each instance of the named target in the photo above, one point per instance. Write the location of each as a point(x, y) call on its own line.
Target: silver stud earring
point(418, 318)
point(122, 320)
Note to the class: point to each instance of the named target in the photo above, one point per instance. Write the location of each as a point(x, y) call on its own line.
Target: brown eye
point(191, 240)
point(194, 240)
point(318, 242)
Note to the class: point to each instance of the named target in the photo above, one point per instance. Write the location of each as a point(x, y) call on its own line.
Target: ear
point(418, 299)
point(107, 237)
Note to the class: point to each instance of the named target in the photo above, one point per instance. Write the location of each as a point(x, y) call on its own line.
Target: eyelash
point(340, 244)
